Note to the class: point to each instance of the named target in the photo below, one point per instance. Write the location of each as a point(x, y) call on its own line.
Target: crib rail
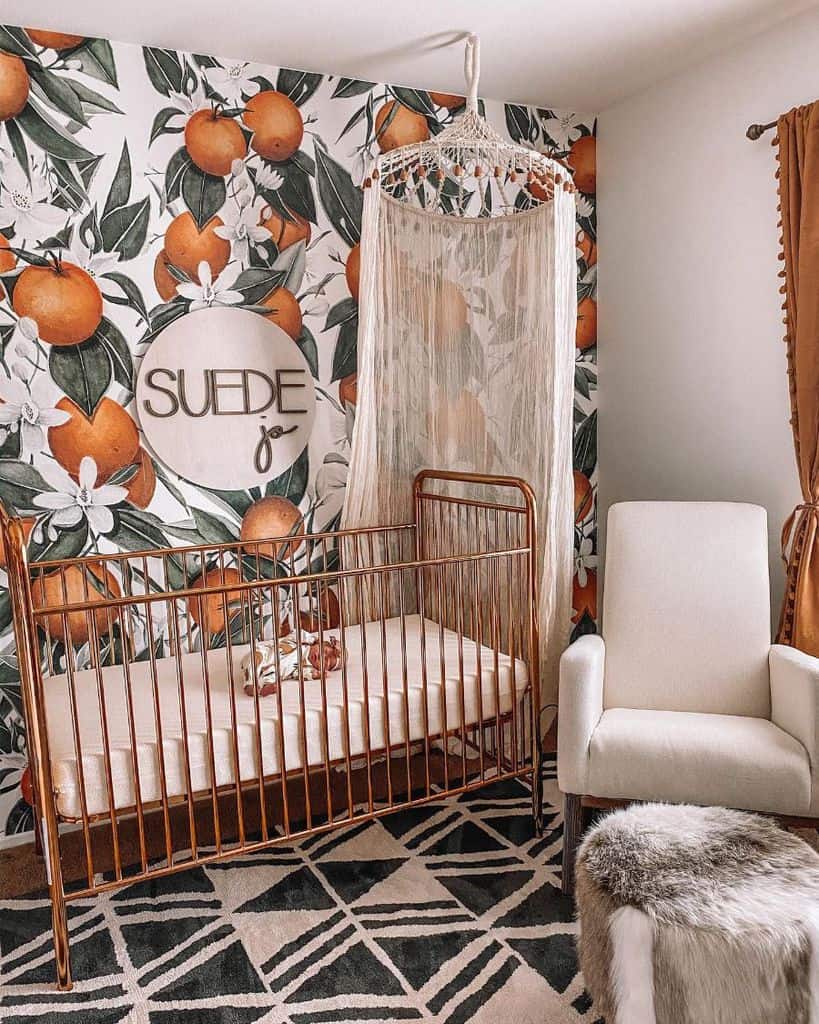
point(145, 728)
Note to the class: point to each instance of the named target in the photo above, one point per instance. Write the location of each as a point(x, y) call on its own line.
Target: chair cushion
point(686, 607)
point(683, 757)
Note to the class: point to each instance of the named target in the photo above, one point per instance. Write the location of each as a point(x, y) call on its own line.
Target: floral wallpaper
point(139, 184)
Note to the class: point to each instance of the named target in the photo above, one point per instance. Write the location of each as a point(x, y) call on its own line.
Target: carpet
point(449, 913)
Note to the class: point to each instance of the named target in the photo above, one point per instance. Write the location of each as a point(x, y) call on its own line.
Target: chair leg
point(572, 831)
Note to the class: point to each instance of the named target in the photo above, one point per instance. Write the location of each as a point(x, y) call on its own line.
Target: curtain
point(466, 362)
point(798, 154)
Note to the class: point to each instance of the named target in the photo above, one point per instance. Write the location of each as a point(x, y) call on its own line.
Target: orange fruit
point(73, 586)
point(276, 124)
point(54, 40)
point(186, 246)
point(28, 526)
point(213, 612)
point(163, 279)
point(286, 312)
point(287, 232)
point(271, 518)
point(583, 496)
point(110, 437)
point(27, 787)
point(583, 161)
point(8, 261)
point(586, 334)
point(214, 142)
point(584, 599)
point(352, 270)
point(450, 100)
point(64, 300)
point(14, 86)
point(588, 248)
point(348, 389)
point(325, 599)
point(405, 127)
point(142, 484)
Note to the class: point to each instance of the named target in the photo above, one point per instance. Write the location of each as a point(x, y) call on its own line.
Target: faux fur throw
point(698, 915)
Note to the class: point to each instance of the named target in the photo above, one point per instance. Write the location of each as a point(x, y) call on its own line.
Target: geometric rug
point(448, 913)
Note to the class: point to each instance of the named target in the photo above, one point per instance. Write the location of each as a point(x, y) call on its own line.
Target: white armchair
point(683, 698)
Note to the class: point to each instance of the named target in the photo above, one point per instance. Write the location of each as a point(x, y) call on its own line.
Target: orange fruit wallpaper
point(139, 184)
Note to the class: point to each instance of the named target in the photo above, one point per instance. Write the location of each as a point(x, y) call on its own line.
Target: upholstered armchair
point(683, 698)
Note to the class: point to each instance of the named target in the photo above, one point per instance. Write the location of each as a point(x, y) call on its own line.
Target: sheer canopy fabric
point(466, 356)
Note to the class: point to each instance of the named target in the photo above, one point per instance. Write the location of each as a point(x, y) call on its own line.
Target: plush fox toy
point(269, 669)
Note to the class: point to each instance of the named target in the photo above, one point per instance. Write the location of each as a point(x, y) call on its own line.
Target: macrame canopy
point(467, 316)
point(469, 169)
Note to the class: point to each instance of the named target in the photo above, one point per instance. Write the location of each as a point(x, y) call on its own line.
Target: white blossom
point(209, 292)
point(70, 502)
point(563, 129)
point(27, 205)
point(584, 559)
point(241, 225)
point(29, 410)
point(267, 177)
point(234, 82)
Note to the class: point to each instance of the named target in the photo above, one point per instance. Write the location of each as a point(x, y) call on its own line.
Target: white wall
point(693, 397)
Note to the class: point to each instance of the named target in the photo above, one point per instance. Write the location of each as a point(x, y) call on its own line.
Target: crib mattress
point(315, 735)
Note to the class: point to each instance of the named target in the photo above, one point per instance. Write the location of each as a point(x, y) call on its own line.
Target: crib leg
point(62, 954)
point(537, 788)
point(38, 835)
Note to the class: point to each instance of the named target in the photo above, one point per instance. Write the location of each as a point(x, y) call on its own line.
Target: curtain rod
point(756, 131)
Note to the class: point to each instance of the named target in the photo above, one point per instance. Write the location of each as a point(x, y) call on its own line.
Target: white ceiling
point(582, 56)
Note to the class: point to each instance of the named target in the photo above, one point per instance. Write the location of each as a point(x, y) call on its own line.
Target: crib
point(143, 740)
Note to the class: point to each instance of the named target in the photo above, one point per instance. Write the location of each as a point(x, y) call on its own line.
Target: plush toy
point(270, 668)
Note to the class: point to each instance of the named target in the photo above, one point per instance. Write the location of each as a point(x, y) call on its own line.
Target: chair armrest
point(580, 707)
point(795, 697)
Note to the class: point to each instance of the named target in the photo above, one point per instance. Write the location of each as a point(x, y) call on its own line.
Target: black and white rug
point(445, 913)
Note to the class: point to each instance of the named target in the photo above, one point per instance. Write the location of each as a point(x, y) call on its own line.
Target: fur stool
point(698, 915)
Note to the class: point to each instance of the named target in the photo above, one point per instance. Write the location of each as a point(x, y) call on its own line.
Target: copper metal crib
point(138, 723)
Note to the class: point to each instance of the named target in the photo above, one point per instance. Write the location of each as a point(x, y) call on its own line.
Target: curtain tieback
point(787, 529)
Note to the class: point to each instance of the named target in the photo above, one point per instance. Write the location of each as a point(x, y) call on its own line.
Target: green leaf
point(256, 284)
point(212, 529)
point(69, 544)
point(88, 168)
point(125, 230)
point(174, 173)
point(520, 123)
point(68, 184)
point(585, 445)
point(308, 348)
point(346, 87)
point(341, 200)
point(163, 315)
point(296, 192)
point(91, 98)
point(359, 115)
point(292, 484)
point(33, 258)
point(18, 147)
point(170, 486)
point(415, 99)
point(84, 372)
point(238, 501)
point(117, 348)
point(343, 311)
point(20, 484)
point(59, 93)
point(160, 125)
point(89, 231)
point(15, 40)
point(137, 531)
point(204, 194)
point(298, 85)
point(345, 355)
point(49, 136)
point(120, 191)
point(96, 59)
point(164, 69)
point(131, 291)
point(291, 262)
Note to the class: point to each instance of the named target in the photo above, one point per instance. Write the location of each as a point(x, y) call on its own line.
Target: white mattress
point(479, 698)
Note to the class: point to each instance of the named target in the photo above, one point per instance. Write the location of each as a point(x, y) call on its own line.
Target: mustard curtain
point(798, 155)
